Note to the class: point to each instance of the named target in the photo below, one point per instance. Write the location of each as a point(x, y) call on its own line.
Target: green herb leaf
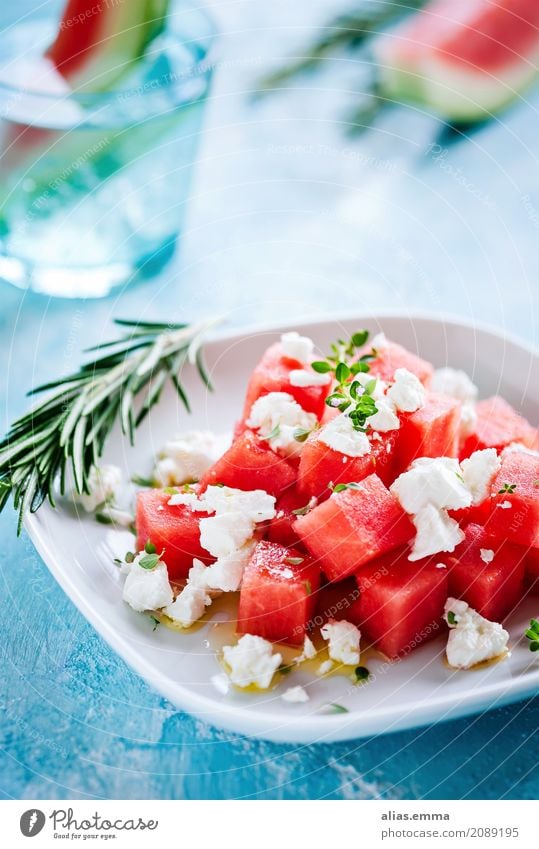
point(507, 487)
point(333, 707)
point(308, 587)
point(273, 434)
point(294, 561)
point(155, 621)
point(340, 487)
point(361, 673)
point(149, 548)
point(360, 338)
point(129, 557)
point(139, 480)
point(532, 634)
point(321, 366)
point(149, 561)
point(284, 669)
point(300, 434)
point(302, 511)
point(342, 373)
point(451, 618)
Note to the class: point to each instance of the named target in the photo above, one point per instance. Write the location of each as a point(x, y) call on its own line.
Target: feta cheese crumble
point(340, 435)
point(486, 555)
point(227, 572)
point(472, 638)
point(309, 651)
point(297, 347)
point(189, 605)
point(325, 667)
point(436, 532)
point(224, 534)
point(103, 485)
point(255, 504)
point(407, 392)
point(146, 589)
point(432, 481)
point(186, 457)
point(295, 695)
point(277, 416)
point(302, 377)
point(251, 661)
point(455, 383)
point(385, 418)
point(478, 471)
point(343, 641)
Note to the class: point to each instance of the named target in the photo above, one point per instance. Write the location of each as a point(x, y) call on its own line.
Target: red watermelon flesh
point(278, 593)
point(272, 374)
point(281, 527)
point(401, 604)
point(515, 513)
point(353, 527)
point(497, 426)
point(172, 528)
point(321, 465)
point(532, 568)
point(392, 356)
point(432, 431)
point(492, 588)
point(250, 464)
point(338, 601)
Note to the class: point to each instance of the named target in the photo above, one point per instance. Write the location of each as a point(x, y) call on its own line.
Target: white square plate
point(415, 691)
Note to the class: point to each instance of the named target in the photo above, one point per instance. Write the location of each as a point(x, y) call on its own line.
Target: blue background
point(288, 218)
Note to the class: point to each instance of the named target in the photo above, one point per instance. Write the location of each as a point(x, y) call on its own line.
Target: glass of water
point(93, 187)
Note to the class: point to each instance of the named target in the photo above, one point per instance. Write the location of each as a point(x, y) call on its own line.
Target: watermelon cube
point(354, 526)
point(250, 464)
point(488, 575)
point(174, 529)
point(401, 604)
point(497, 426)
point(281, 527)
point(432, 431)
point(515, 499)
point(278, 593)
point(272, 374)
point(532, 568)
point(390, 356)
point(321, 465)
point(338, 601)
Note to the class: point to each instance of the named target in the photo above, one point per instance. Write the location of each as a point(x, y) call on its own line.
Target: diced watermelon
point(497, 426)
point(492, 588)
point(354, 526)
point(515, 500)
point(432, 431)
point(401, 604)
point(280, 529)
point(172, 528)
point(532, 568)
point(250, 464)
point(392, 356)
point(272, 374)
point(338, 601)
point(466, 59)
point(321, 465)
point(278, 593)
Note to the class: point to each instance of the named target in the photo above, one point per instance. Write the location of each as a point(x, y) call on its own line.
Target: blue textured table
point(288, 217)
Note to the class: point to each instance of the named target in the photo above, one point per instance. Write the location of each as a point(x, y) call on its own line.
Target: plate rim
point(301, 728)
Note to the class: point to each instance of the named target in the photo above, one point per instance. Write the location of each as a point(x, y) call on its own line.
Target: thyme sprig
point(69, 429)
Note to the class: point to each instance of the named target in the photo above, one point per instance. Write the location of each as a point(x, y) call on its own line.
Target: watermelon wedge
point(514, 497)
point(497, 426)
point(464, 59)
point(432, 431)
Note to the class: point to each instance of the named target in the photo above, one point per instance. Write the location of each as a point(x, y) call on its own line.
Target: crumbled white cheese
point(297, 347)
point(472, 638)
point(518, 448)
point(255, 504)
point(478, 471)
point(455, 383)
point(189, 605)
point(279, 415)
point(221, 683)
point(468, 419)
point(251, 661)
point(189, 499)
point(343, 641)
point(436, 532)
point(309, 651)
point(147, 589)
point(226, 533)
point(486, 555)
point(407, 392)
point(296, 695)
point(186, 458)
point(380, 386)
point(385, 418)
point(340, 435)
point(379, 342)
point(504, 505)
point(325, 667)
point(227, 572)
point(302, 377)
point(103, 483)
point(435, 481)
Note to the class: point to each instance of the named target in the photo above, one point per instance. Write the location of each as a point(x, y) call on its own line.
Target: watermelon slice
point(354, 526)
point(272, 374)
point(488, 575)
point(250, 464)
point(281, 527)
point(465, 59)
point(390, 356)
point(515, 499)
point(497, 426)
point(401, 604)
point(432, 431)
point(278, 594)
point(321, 465)
point(174, 529)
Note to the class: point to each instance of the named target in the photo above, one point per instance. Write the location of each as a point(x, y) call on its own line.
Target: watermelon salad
point(365, 503)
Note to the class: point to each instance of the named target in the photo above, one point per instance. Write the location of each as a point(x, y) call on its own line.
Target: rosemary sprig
point(71, 426)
